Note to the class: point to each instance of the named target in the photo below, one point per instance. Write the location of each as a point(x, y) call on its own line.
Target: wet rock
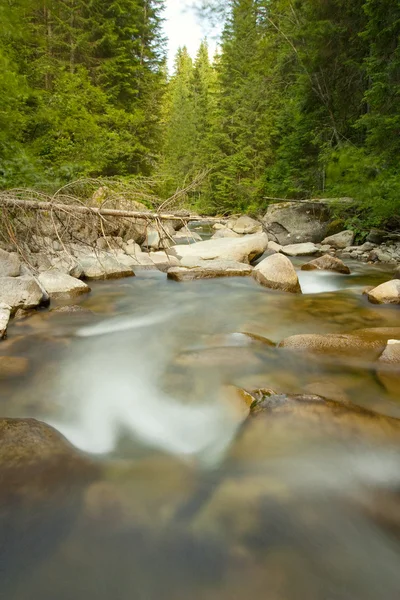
point(41, 481)
point(377, 333)
point(10, 265)
point(104, 266)
point(327, 390)
point(74, 309)
point(246, 225)
point(340, 240)
point(388, 370)
point(225, 233)
point(13, 366)
point(348, 345)
point(277, 272)
point(5, 313)
point(291, 222)
point(327, 263)
point(231, 357)
point(61, 285)
point(391, 354)
point(386, 293)
point(396, 274)
point(21, 292)
point(242, 250)
point(305, 249)
point(208, 269)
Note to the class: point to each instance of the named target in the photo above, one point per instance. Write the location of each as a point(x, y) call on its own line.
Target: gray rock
point(274, 246)
point(278, 273)
point(376, 236)
point(246, 225)
point(378, 254)
point(386, 293)
point(5, 314)
point(396, 274)
point(61, 285)
point(152, 238)
point(10, 265)
point(243, 249)
point(297, 222)
point(325, 248)
point(186, 236)
point(305, 249)
point(208, 269)
point(104, 266)
point(21, 292)
point(163, 261)
point(225, 233)
point(327, 263)
point(340, 240)
point(264, 255)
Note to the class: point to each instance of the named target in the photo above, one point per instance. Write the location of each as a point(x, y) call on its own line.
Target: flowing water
point(190, 501)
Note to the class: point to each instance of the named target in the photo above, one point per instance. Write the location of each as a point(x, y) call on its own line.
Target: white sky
point(183, 28)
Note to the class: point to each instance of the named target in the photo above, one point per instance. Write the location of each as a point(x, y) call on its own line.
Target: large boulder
point(21, 292)
point(208, 269)
point(297, 222)
point(42, 478)
point(386, 293)
point(103, 266)
point(278, 273)
point(305, 249)
point(341, 240)
point(326, 263)
point(246, 225)
point(61, 285)
point(5, 313)
point(242, 250)
point(10, 265)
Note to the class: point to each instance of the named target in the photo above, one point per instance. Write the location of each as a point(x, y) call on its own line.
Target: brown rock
point(327, 263)
point(209, 269)
point(278, 273)
point(386, 293)
point(335, 345)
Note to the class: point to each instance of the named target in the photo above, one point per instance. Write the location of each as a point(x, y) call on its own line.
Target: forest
point(301, 100)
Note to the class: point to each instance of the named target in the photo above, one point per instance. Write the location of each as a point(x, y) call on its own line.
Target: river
point(192, 503)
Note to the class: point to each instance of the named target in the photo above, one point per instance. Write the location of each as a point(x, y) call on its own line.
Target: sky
point(183, 28)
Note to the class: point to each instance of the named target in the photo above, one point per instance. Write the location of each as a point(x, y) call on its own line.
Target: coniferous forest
point(302, 100)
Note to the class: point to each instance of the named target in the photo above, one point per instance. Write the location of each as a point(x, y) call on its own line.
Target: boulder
point(278, 273)
point(297, 222)
point(340, 240)
point(243, 249)
point(66, 264)
point(61, 285)
point(376, 236)
point(386, 293)
point(327, 263)
point(274, 246)
point(225, 233)
point(264, 255)
point(388, 369)
point(104, 266)
point(21, 292)
point(162, 261)
point(10, 265)
point(348, 345)
point(5, 313)
point(305, 249)
point(246, 225)
point(208, 269)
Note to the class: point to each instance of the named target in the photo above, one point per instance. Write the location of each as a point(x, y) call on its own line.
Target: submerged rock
point(61, 285)
point(341, 240)
point(386, 293)
point(327, 263)
point(335, 345)
point(208, 269)
point(278, 273)
point(243, 249)
point(10, 265)
point(5, 313)
point(13, 366)
point(305, 249)
point(21, 292)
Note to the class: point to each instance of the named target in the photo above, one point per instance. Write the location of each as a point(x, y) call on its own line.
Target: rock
point(5, 314)
point(186, 236)
point(297, 222)
point(61, 285)
point(388, 370)
point(396, 274)
point(163, 261)
point(325, 248)
point(13, 366)
point(104, 266)
point(274, 246)
point(378, 254)
point(386, 293)
point(42, 482)
point(10, 265)
point(21, 292)
point(243, 249)
point(67, 310)
point(263, 256)
point(152, 238)
point(376, 236)
point(305, 249)
point(391, 354)
point(208, 269)
point(246, 225)
point(225, 233)
point(327, 263)
point(217, 226)
point(131, 248)
point(230, 357)
point(347, 345)
point(340, 240)
point(66, 264)
point(278, 273)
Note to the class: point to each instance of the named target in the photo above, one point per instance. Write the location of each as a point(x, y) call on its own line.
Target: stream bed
point(191, 502)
